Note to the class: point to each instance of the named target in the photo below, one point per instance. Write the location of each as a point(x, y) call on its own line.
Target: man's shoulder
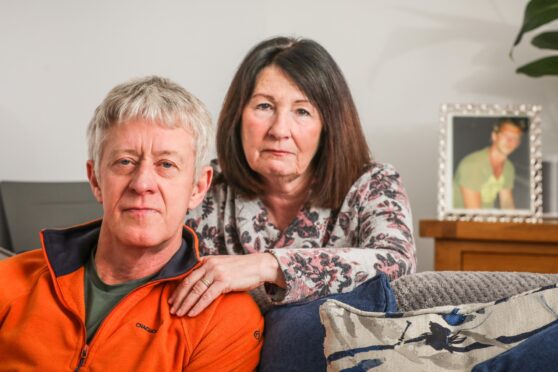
point(18, 273)
point(237, 306)
point(509, 164)
point(26, 262)
point(509, 170)
point(475, 156)
point(228, 314)
point(241, 301)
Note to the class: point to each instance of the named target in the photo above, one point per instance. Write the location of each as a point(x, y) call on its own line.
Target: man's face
point(146, 183)
point(507, 139)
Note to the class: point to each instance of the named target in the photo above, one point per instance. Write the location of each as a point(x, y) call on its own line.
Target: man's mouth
point(140, 210)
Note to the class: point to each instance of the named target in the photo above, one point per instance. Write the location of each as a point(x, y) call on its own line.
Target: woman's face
point(280, 128)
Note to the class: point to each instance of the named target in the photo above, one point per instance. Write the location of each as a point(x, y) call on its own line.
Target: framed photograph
point(490, 163)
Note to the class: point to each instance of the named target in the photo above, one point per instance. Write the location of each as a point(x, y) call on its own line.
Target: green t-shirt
point(475, 172)
point(100, 298)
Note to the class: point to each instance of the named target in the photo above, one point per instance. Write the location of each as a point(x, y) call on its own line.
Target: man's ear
point(201, 187)
point(93, 181)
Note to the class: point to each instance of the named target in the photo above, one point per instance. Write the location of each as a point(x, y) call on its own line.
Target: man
point(486, 174)
point(96, 296)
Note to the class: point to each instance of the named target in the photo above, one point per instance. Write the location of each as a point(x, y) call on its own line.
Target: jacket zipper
point(85, 350)
point(82, 357)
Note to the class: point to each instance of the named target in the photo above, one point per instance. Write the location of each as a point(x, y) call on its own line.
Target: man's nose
point(143, 179)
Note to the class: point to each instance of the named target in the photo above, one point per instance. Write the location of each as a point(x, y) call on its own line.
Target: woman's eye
point(302, 112)
point(263, 106)
point(167, 165)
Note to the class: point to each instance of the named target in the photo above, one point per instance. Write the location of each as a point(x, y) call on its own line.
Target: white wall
point(401, 58)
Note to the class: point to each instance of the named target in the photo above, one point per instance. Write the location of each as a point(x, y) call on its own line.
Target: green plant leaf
point(537, 13)
point(540, 67)
point(546, 40)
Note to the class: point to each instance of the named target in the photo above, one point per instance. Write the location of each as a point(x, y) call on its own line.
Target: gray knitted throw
point(437, 288)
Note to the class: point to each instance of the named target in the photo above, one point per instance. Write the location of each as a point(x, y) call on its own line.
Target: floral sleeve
point(372, 233)
point(322, 251)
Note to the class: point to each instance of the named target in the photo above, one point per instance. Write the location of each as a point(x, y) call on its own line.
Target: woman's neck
point(284, 199)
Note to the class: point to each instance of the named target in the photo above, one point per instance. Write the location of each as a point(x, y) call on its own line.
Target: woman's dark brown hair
point(342, 155)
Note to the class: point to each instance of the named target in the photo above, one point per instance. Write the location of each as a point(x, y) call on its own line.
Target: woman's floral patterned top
point(322, 251)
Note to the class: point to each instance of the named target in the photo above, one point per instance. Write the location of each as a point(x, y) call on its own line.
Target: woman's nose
point(280, 126)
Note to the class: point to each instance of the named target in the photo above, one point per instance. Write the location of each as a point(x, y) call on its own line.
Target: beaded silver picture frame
point(490, 163)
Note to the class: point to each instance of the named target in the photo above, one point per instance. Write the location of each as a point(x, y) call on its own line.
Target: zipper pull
point(82, 357)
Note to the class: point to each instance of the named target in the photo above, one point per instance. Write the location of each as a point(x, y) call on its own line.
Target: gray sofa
point(436, 288)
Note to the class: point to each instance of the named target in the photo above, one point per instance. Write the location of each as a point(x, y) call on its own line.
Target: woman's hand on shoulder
point(223, 274)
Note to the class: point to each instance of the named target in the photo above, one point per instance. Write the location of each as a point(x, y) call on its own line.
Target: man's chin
point(143, 243)
point(143, 233)
point(144, 238)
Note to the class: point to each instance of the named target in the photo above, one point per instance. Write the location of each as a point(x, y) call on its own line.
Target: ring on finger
point(206, 282)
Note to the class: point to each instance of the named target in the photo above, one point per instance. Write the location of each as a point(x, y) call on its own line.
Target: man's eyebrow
point(168, 153)
point(137, 154)
point(124, 151)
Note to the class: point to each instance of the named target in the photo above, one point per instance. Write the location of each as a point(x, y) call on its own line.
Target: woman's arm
point(377, 221)
point(372, 233)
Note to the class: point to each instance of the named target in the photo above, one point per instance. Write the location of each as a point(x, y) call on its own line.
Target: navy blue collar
point(69, 249)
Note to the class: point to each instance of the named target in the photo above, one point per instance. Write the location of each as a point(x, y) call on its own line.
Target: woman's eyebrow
point(271, 98)
point(267, 96)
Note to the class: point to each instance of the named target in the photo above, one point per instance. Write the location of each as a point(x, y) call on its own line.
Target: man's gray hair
point(157, 100)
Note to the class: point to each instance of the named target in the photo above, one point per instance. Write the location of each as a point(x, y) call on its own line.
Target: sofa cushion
point(441, 338)
point(537, 353)
point(294, 336)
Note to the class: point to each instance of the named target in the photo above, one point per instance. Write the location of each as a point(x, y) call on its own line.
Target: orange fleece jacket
point(42, 315)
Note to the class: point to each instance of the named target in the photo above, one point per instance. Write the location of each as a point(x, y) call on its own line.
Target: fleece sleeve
point(227, 336)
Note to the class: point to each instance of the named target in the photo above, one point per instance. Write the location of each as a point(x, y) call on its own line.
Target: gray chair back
point(30, 207)
point(4, 253)
point(4, 235)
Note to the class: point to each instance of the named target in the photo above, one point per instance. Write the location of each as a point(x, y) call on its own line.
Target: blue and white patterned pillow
point(294, 336)
point(437, 339)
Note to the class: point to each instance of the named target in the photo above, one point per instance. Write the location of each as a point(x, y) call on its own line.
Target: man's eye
point(167, 165)
point(124, 162)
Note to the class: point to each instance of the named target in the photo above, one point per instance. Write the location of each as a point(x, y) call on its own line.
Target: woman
point(297, 203)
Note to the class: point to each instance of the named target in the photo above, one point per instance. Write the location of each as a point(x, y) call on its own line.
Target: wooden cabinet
point(487, 246)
